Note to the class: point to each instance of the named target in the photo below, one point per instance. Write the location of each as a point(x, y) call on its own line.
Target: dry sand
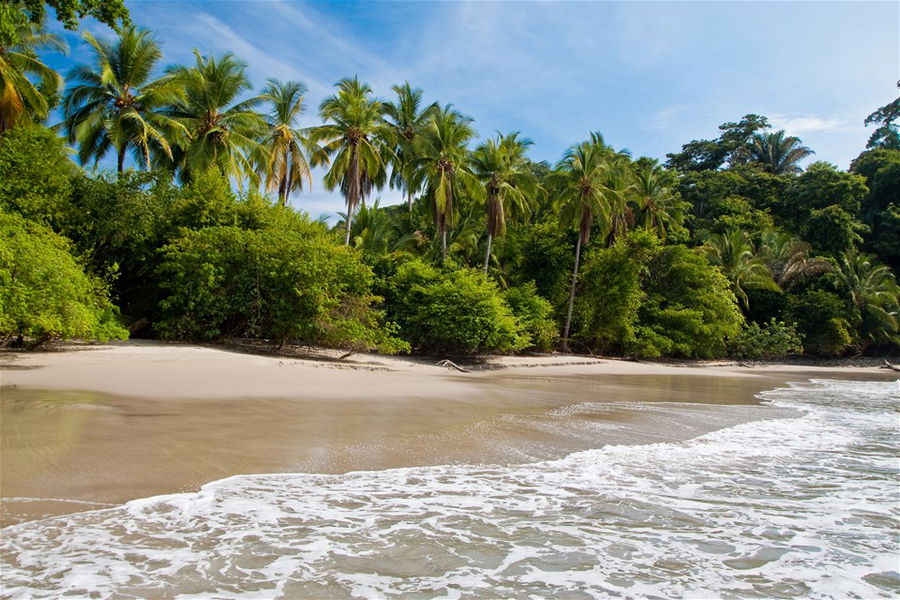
point(101, 425)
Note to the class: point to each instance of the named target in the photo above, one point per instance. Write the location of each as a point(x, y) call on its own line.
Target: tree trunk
point(352, 193)
point(487, 253)
point(120, 167)
point(409, 196)
point(443, 224)
point(565, 340)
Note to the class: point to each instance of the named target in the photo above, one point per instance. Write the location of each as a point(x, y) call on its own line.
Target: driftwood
point(887, 365)
point(452, 365)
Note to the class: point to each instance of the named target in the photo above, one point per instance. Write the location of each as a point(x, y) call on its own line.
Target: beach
point(96, 426)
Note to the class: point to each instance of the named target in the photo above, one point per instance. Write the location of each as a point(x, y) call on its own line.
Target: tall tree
point(115, 105)
point(734, 253)
point(508, 181)
point(660, 208)
point(777, 152)
point(408, 118)
point(68, 12)
point(443, 164)
point(885, 135)
point(222, 131)
point(358, 141)
point(285, 147)
point(582, 196)
point(874, 297)
point(730, 147)
point(21, 98)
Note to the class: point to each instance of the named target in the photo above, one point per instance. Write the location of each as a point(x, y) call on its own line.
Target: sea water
point(802, 507)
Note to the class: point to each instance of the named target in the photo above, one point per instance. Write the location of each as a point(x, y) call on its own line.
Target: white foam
point(805, 507)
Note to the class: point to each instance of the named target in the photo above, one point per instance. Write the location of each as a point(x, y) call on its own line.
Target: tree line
point(728, 247)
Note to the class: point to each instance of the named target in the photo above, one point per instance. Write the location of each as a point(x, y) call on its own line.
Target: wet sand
point(71, 440)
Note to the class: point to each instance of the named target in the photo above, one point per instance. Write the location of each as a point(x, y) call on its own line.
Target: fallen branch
point(887, 365)
point(452, 365)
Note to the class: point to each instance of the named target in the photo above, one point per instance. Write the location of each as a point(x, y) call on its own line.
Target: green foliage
point(881, 168)
point(709, 155)
point(822, 185)
point(689, 308)
point(832, 230)
point(226, 281)
point(453, 310)
point(776, 338)
point(822, 320)
point(546, 255)
point(886, 134)
point(610, 293)
point(44, 293)
point(535, 316)
point(68, 12)
point(34, 174)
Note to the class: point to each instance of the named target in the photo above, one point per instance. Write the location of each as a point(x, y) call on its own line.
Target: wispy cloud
point(800, 124)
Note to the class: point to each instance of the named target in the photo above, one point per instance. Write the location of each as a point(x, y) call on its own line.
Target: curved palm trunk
point(352, 193)
point(487, 253)
point(565, 340)
point(409, 196)
point(120, 165)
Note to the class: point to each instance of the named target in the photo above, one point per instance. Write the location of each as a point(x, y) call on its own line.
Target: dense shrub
point(776, 338)
point(34, 174)
point(226, 281)
point(452, 309)
point(823, 321)
point(44, 292)
point(535, 316)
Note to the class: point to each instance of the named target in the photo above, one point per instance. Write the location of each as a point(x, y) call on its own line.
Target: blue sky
point(649, 75)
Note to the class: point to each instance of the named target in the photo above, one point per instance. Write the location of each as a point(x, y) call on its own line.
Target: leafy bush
point(535, 316)
point(44, 292)
point(823, 320)
point(226, 281)
point(452, 309)
point(34, 173)
point(774, 339)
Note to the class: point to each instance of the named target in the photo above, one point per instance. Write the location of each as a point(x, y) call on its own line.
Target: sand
point(101, 425)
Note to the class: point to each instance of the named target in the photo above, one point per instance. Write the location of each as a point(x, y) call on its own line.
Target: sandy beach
point(100, 425)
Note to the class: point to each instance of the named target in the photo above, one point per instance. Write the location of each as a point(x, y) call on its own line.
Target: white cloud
point(800, 124)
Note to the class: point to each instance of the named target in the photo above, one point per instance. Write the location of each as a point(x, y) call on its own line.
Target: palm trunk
point(352, 193)
point(443, 239)
point(487, 253)
point(565, 340)
point(409, 199)
point(120, 167)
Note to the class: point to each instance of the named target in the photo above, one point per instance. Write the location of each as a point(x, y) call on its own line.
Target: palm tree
point(408, 119)
point(508, 180)
point(778, 153)
point(579, 182)
point(788, 259)
point(874, 296)
point(285, 147)
point(221, 132)
point(21, 99)
point(359, 141)
point(733, 252)
point(115, 105)
point(660, 208)
point(443, 164)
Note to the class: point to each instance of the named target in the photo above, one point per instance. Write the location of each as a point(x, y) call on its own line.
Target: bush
point(774, 339)
point(44, 292)
point(535, 316)
point(226, 281)
point(823, 321)
point(455, 310)
point(34, 173)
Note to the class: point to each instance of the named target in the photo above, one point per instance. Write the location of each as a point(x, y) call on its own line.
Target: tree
point(730, 147)
point(358, 141)
point(108, 12)
point(874, 297)
point(222, 133)
point(788, 259)
point(35, 174)
point(734, 253)
point(21, 99)
point(505, 172)
point(443, 164)
point(582, 197)
point(408, 118)
point(285, 164)
point(660, 208)
point(886, 134)
point(114, 104)
point(777, 152)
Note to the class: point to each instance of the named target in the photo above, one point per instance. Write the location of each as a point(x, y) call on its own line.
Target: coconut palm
point(443, 164)
point(508, 181)
point(115, 105)
point(221, 131)
point(407, 117)
point(284, 150)
point(777, 152)
point(788, 259)
point(660, 209)
point(734, 253)
point(582, 196)
point(874, 296)
point(358, 141)
point(21, 98)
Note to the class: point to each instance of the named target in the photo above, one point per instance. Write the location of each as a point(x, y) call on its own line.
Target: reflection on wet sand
point(71, 451)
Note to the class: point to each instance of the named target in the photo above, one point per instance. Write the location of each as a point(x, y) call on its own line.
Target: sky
point(650, 76)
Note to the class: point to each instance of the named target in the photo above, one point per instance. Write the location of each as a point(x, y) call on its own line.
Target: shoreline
point(103, 425)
